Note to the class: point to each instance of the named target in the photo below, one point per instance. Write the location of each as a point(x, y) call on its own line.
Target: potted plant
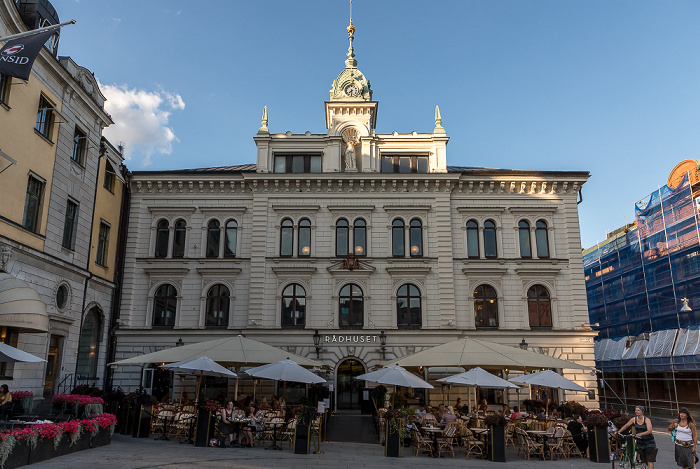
point(496, 445)
point(205, 423)
point(396, 431)
point(599, 447)
point(305, 416)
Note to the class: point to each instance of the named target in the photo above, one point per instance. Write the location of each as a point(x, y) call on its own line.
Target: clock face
point(352, 90)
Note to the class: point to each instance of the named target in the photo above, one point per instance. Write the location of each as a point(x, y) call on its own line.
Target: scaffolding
point(637, 284)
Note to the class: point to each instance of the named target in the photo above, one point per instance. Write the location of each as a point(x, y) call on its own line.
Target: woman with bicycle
point(646, 445)
point(686, 438)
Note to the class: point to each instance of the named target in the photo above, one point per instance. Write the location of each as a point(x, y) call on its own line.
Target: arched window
point(217, 306)
point(89, 345)
point(541, 239)
point(179, 239)
point(162, 239)
point(231, 238)
point(524, 238)
point(293, 307)
point(485, 306)
point(351, 307)
point(287, 238)
point(415, 235)
point(359, 234)
point(213, 238)
point(490, 250)
point(408, 307)
point(397, 238)
point(539, 307)
point(342, 237)
point(472, 239)
point(304, 238)
point(165, 306)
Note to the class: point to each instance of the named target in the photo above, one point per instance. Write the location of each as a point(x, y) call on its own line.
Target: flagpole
point(35, 31)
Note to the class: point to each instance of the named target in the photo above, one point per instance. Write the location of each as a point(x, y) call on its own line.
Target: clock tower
point(350, 113)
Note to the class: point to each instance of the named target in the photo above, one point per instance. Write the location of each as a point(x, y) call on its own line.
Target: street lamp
point(523, 344)
point(179, 342)
point(317, 343)
point(382, 340)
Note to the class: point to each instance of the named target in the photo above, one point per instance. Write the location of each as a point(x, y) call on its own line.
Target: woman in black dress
point(226, 424)
point(579, 433)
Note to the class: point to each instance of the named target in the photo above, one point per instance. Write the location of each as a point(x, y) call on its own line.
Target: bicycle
point(627, 457)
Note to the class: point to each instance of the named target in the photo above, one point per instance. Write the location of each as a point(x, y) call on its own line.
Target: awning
point(20, 306)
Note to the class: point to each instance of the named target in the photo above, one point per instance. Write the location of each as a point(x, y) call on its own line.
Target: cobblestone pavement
point(131, 453)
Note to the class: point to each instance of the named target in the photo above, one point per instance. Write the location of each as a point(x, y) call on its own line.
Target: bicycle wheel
point(620, 460)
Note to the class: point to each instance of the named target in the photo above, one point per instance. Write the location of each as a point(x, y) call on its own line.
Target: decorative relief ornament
point(5, 254)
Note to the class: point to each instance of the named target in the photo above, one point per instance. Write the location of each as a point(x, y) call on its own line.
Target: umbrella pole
point(199, 385)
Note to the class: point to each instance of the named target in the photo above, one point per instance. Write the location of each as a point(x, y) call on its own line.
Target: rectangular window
point(70, 224)
point(102, 244)
point(5, 83)
point(109, 177)
point(404, 164)
point(79, 146)
point(9, 336)
point(32, 204)
point(45, 118)
point(298, 163)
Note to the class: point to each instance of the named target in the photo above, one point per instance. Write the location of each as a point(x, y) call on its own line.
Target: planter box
point(599, 447)
point(129, 419)
point(205, 428)
point(142, 422)
point(496, 447)
point(301, 439)
point(19, 456)
point(43, 451)
point(101, 438)
point(392, 447)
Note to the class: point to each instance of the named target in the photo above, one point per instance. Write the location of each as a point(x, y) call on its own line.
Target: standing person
point(646, 445)
point(579, 433)
point(686, 439)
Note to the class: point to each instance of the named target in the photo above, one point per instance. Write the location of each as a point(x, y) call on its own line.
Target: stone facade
point(290, 217)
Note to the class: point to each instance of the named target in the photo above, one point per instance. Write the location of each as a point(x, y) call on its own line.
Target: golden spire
point(351, 62)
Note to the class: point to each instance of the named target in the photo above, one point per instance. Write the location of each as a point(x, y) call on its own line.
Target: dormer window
point(298, 163)
point(405, 164)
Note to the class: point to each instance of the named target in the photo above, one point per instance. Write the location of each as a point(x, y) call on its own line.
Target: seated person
point(420, 412)
point(6, 404)
point(227, 426)
point(263, 403)
point(515, 414)
point(275, 402)
point(428, 417)
point(579, 433)
point(483, 407)
point(448, 417)
point(247, 438)
point(505, 411)
point(541, 413)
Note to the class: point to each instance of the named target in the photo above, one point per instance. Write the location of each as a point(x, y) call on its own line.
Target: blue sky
point(610, 87)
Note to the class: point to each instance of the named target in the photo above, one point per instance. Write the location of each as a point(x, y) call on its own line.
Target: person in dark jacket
point(579, 433)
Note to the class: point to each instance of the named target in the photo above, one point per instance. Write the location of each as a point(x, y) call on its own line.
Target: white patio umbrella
point(397, 376)
point(478, 378)
point(548, 379)
point(285, 370)
point(200, 366)
point(9, 354)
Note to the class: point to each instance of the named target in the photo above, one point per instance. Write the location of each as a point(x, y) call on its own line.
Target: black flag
point(17, 56)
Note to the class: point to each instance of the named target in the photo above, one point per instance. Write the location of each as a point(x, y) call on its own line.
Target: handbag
point(673, 434)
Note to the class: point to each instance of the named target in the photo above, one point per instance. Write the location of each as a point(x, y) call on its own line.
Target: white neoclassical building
point(369, 240)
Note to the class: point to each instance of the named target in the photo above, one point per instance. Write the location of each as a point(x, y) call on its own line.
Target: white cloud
point(141, 121)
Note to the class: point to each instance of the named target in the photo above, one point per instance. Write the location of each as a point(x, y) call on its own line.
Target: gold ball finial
point(351, 28)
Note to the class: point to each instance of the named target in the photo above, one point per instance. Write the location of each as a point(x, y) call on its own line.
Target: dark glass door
point(349, 388)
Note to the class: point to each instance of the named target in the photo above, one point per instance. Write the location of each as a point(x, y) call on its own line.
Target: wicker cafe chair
point(473, 445)
point(183, 424)
point(510, 429)
point(446, 441)
point(161, 419)
point(421, 442)
point(287, 433)
point(570, 445)
point(271, 424)
point(528, 446)
point(555, 443)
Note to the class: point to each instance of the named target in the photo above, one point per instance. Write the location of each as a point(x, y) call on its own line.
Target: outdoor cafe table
point(481, 432)
point(275, 425)
point(544, 435)
point(434, 431)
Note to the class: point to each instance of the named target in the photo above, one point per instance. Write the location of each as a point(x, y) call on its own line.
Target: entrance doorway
point(349, 389)
point(53, 365)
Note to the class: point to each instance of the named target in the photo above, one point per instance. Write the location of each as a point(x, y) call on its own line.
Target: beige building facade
point(370, 241)
point(53, 162)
